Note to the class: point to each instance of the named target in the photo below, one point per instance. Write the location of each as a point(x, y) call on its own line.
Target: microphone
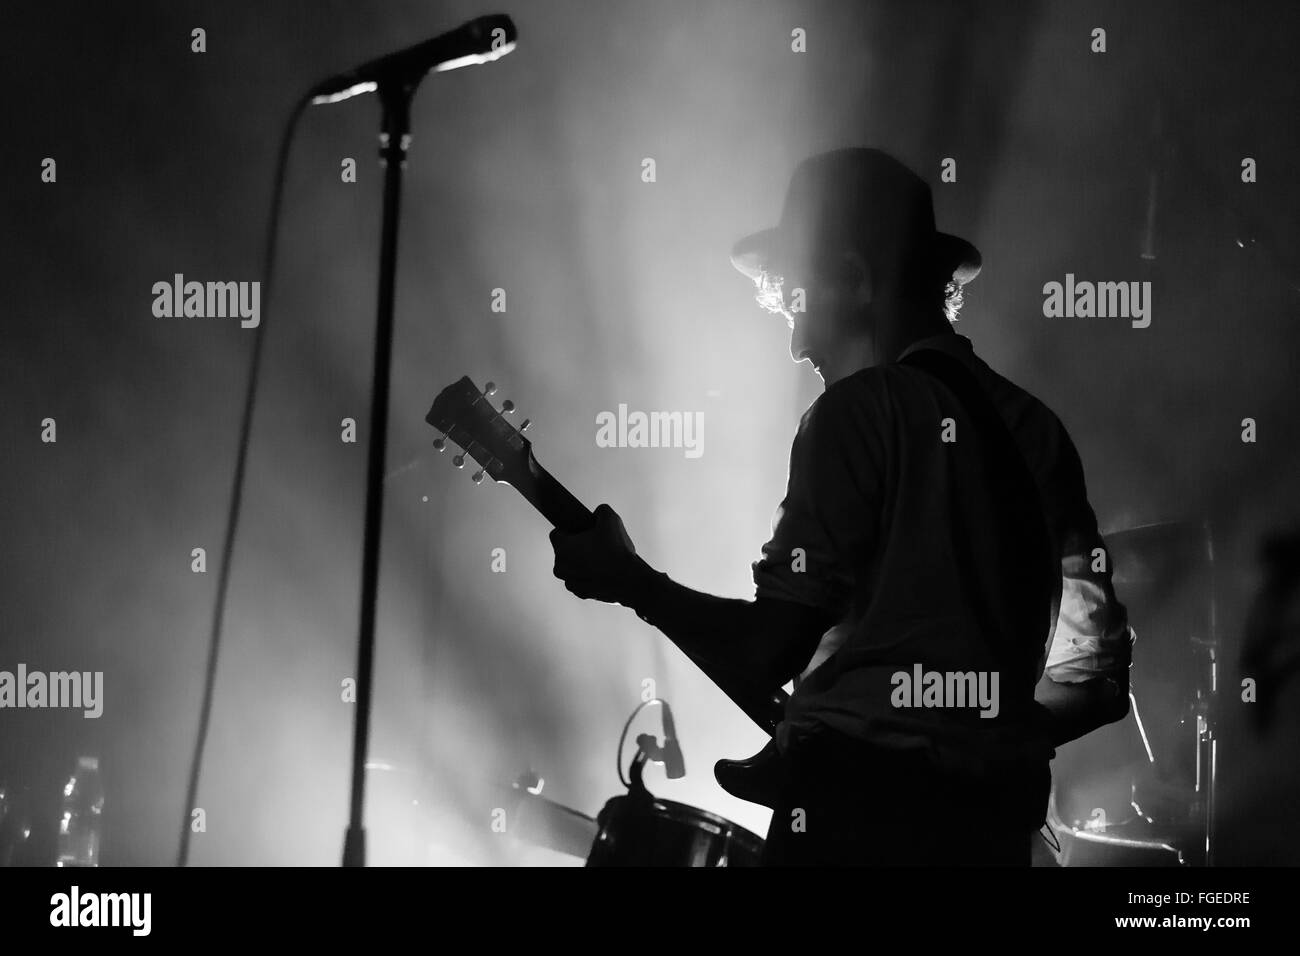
point(674, 763)
point(670, 753)
point(478, 41)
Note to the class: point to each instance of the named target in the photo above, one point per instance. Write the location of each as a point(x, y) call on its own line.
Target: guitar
point(465, 415)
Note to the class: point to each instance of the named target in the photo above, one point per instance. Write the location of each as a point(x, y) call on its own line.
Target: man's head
point(855, 264)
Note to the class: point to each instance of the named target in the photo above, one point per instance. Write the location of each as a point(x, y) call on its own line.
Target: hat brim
point(765, 252)
point(755, 254)
point(965, 258)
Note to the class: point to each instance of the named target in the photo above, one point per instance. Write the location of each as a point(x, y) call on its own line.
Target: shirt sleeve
point(824, 528)
point(1092, 637)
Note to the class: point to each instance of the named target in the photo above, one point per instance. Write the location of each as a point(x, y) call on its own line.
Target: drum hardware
point(545, 823)
point(1128, 843)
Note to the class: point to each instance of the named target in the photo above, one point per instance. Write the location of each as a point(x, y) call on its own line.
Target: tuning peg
point(477, 477)
point(507, 406)
point(490, 388)
point(459, 461)
point(525, 425)
point(440, 444)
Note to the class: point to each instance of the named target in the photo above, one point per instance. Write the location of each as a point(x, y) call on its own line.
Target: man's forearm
point(1079, 709)
point(762, 643)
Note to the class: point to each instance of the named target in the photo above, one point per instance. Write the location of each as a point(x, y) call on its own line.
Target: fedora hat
point(860, 199)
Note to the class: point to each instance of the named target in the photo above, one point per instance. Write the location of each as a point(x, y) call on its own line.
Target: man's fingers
point(588, 561)
point(583, 588)
point(568, 565)
point(571, 549)
point(607, 519)
point(570, 543)
point(567, 570)
point(576, 557)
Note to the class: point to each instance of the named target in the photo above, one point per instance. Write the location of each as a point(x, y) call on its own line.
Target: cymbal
point(1150, 554)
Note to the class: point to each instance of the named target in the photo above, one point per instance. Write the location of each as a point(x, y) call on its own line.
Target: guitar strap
point(1009, 473)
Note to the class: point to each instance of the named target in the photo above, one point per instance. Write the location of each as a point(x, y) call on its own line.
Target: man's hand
point(600, 563)
point(1079, 709)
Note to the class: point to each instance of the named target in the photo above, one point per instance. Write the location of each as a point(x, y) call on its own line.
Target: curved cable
point(237, 494)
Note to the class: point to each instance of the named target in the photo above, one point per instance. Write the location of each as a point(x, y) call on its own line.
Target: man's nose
point(798, 347)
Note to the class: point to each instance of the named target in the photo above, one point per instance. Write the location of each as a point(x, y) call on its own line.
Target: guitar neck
point(558, 506)
point(554, 501)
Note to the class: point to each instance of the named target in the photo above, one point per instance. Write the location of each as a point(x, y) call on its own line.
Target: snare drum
point(641, 831)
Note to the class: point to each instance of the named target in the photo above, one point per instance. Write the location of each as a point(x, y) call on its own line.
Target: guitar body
point(758, 779)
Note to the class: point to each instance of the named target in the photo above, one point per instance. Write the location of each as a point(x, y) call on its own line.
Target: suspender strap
point(1021, 501)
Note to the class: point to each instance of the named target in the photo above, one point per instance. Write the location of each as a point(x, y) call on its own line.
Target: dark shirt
point(866, 533)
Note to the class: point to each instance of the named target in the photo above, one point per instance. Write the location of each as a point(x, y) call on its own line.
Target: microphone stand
point(394, 138)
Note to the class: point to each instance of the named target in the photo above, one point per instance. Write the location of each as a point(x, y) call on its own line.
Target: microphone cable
point(237, 493)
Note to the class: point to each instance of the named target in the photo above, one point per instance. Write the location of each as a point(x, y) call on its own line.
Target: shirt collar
point(951, 342)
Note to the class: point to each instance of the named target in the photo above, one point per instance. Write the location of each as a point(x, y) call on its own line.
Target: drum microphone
point(674, 763)
point(670, 753)
point(478, 41)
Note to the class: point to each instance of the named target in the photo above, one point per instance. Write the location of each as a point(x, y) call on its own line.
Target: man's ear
point(858, 279)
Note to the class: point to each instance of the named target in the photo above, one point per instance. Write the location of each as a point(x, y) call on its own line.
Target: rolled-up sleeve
point(1092, 638)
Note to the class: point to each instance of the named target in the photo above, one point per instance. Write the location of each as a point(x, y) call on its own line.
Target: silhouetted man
point(935, 584)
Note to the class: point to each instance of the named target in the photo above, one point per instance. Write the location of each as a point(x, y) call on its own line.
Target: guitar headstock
point(464, 415)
